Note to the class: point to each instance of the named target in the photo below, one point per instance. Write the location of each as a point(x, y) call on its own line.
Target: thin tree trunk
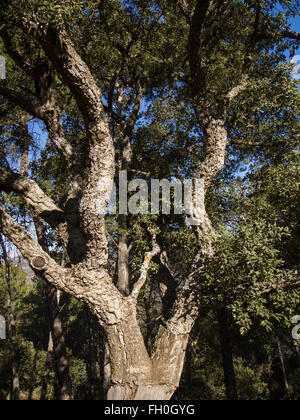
point(48, 368)
point(59, 346)
point(15, 381)
point(226, 349)
point(282, 363)
point(92, 366)
point(33, 377)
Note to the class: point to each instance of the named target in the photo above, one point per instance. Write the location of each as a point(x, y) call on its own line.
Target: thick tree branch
point(101, 162)
point(95, 289)
point(22, 102)
point(290, 35)
point(32, 194)
point(212, 120)
point(279, 36)
point(39, 260)
point(49, 112)
point(40, 203)
point(76, 73)
point(194, 44)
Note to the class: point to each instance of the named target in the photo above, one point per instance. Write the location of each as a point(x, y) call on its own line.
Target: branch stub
point(39, 262)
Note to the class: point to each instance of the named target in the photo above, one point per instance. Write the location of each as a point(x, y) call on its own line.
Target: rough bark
point(123, 273)
point(33, 196)
point(135, 374)
point(100, 165)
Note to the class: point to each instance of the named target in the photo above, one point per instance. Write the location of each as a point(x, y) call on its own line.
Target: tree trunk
point(226, 349)
point(15, 381)
point(94, 340)
point(59, 346)
point(33, 377)
point(123, 286)
point(282, 363)
point(134, 374)
point(48, 367)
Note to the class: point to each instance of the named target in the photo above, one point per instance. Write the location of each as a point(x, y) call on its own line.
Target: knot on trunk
point(39, 263)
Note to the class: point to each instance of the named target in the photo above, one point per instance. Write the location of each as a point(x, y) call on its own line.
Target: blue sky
point(296, 23)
